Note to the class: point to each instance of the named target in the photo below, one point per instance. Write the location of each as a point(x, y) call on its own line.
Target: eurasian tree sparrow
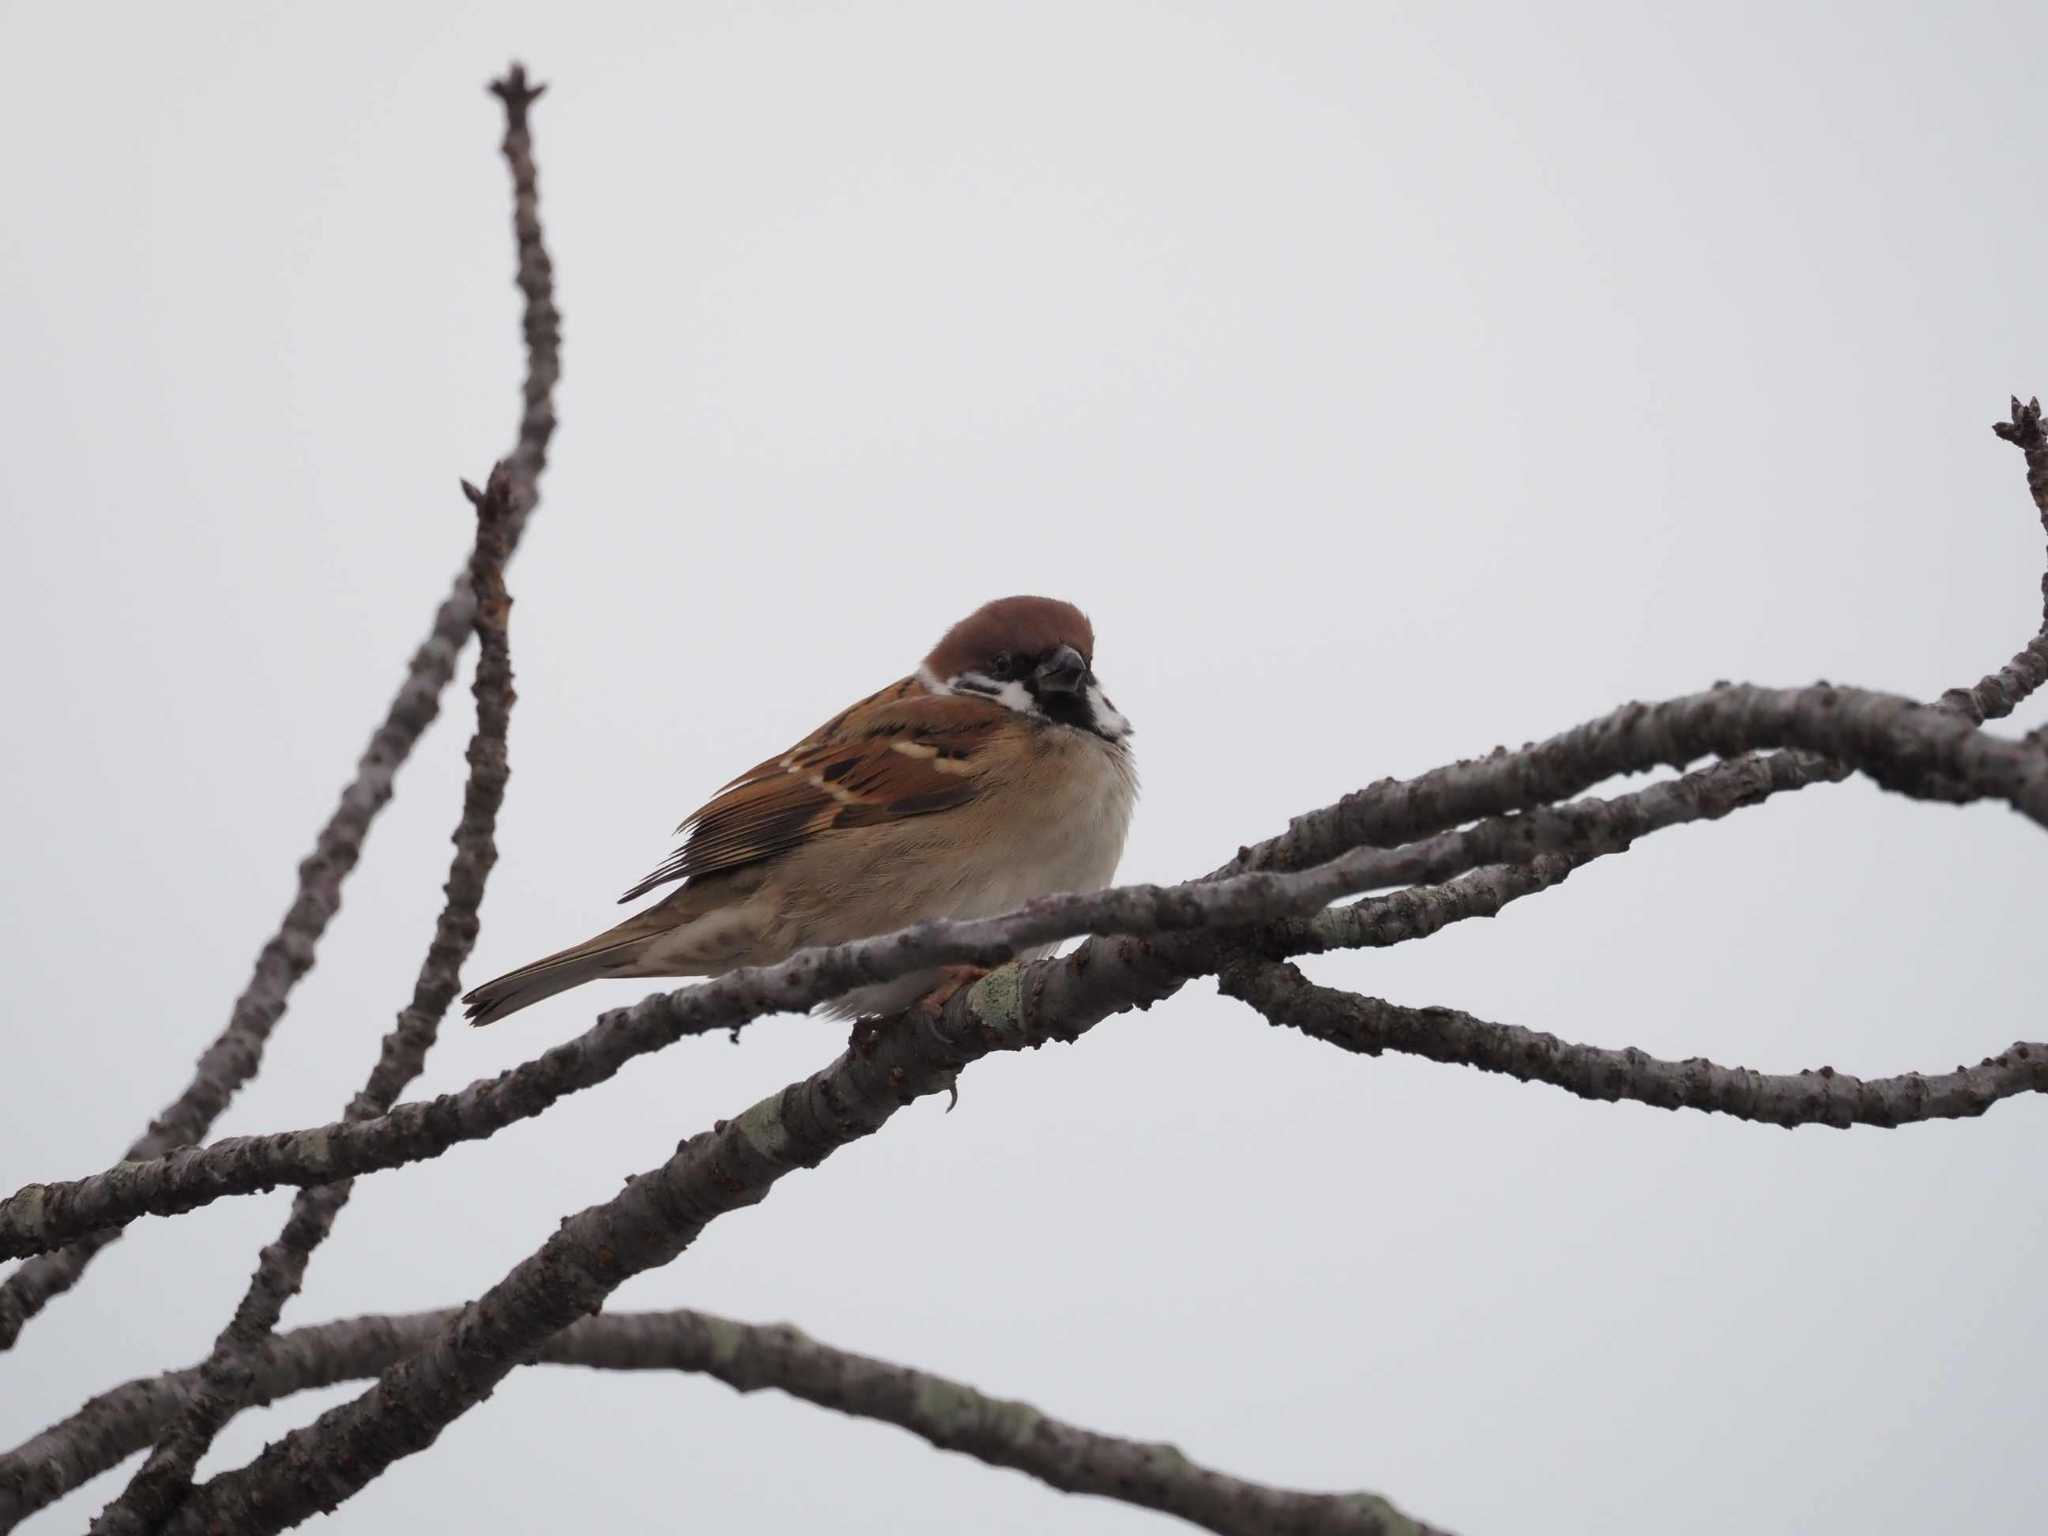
point(997, 772)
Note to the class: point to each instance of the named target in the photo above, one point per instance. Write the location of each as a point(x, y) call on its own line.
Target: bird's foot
point(953, 979)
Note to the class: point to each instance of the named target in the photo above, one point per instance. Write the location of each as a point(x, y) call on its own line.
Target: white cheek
point(1014, 695)
point(930, 679)
point(1108, 719)
point(1011, 695)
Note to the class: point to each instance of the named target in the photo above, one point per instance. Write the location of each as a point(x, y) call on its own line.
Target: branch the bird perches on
point(1462, 841)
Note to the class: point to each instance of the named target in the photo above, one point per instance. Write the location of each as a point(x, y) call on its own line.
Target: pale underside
point(1049, 815)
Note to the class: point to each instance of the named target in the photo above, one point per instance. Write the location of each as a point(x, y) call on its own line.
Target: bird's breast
point(1050, 818)
point(1057, 824)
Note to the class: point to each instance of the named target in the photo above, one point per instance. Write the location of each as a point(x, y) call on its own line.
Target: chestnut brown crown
point(1012, 626)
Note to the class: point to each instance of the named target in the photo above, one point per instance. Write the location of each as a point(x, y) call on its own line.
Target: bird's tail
point(611, 953)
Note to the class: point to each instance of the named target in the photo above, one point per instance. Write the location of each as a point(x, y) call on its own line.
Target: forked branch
point(236, 1054)
point(1465, 840)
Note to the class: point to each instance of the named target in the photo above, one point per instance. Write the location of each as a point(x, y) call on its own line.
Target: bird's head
point(1035, 655)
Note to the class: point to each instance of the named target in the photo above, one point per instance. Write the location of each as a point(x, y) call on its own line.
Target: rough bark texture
point(747, 1357)
point(165, 1476)
point(1999, 693)
point(237, 1053)
point(654, 1218)
point(1465, 840)
point(1816, 1096)
point(1912, 748)
point(45, 1213)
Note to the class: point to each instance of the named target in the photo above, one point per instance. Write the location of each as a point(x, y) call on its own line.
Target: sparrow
point(997, 772)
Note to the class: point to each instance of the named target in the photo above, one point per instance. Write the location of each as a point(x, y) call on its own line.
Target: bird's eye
point(1003, 667)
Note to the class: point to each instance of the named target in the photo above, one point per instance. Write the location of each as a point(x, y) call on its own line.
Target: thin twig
point(540, 320)
point(1904, 746)
point(235, 1056)
point(165, 1477)
point(1999, 693)
point(1820, 1096)
point(1580, 830)
point(237, 1053)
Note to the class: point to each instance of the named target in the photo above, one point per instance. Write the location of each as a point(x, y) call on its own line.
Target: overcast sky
point(1386, 382)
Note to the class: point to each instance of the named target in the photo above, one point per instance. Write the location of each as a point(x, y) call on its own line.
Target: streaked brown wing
point(901, 752)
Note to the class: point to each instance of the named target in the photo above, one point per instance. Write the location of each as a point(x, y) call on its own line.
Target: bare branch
point(42, 1214)
point(1104, 978)
point(1586, 829)
point(654, 1218)
point(747, 1357)
point(1578, 832)
point(234, 1057)
point(165, 1477)
point(1391, 812)
point(1907, 746)
point(541, 321)
point(237, 1053)
point(1999, 693)
point(1107, 976)
point(1482, 834)
point(1915, 749)
point(1912, 749)
point(1824, 1096)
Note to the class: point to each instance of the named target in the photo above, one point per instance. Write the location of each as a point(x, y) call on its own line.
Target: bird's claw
point(866, 1033)
point(953, 980)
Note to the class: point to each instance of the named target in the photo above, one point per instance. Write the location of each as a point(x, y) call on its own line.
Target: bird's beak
point(1062, 672)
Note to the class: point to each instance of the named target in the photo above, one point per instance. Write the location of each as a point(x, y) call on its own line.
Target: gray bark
point(1465, 840)
point(237, 1052)
point(165, 1476)
point(748, 1358)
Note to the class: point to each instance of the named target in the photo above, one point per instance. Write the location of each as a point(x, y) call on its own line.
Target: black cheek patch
point(1067, 709)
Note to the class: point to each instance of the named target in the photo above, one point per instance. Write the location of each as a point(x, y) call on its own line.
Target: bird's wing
point(901, 752)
